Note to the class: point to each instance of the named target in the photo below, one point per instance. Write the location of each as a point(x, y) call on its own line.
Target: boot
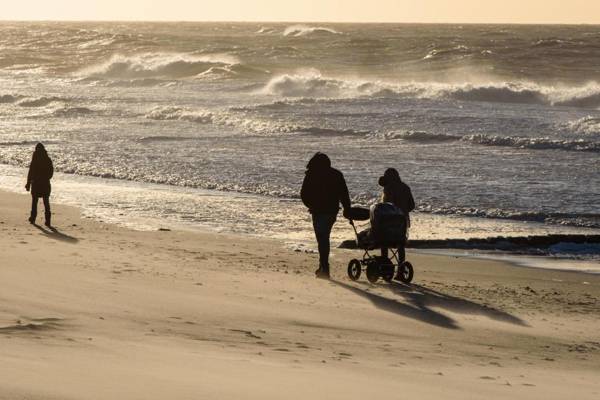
point(48, 222)
point(323, 272)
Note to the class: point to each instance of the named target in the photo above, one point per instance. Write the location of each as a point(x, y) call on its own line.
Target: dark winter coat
point(41, 171)
point(398, 193)
point(323, 190)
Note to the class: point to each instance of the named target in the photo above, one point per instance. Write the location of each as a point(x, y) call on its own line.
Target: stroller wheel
point(354, 269)
point(388, 276)
point(373, 272)
point(405, 272)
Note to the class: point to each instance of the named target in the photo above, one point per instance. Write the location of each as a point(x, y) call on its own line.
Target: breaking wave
point(535, 143)
point(158, 65)
point(543, 143)
point(40, 101)
point(585, 126)
point(265, 30)
point(311, 83)
point(416, 136)
point(304, 30)
point(507, 93)
point(243, 122)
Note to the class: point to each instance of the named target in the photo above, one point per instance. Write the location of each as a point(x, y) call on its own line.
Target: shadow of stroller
point(417, 311)
point(424, 297)
point(54, 233)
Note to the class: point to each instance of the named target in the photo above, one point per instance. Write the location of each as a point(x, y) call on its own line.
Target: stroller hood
point(357, 213)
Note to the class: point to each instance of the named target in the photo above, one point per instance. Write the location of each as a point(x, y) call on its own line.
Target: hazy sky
point(514, 11)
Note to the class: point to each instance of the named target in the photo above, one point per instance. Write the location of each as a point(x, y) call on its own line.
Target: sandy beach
point(96, 311)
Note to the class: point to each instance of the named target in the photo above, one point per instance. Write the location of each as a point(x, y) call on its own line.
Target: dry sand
point(96, 311)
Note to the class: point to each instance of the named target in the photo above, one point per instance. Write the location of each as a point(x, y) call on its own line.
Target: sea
point(496, 128)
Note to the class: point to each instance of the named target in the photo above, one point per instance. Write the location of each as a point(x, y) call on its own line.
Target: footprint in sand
point(31, 325)
point(247, 333)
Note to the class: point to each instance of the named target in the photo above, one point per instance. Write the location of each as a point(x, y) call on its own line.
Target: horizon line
point(301, 22)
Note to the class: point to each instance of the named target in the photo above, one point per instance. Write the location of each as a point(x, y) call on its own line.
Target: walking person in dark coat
point(41, 171)
point(399, 194)
point(323, 189)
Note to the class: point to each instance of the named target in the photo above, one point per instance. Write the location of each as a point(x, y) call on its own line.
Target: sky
point(444, 11)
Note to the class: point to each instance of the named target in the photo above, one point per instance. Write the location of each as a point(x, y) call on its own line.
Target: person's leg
point(47, 212)
point(322, 224)
point(34, 202)
point(401, 259)
point(401, 254)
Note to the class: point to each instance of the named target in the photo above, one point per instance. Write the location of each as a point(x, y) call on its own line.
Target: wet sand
point(96, 311)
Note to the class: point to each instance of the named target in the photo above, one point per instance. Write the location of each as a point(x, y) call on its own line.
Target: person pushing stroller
point(323, 189)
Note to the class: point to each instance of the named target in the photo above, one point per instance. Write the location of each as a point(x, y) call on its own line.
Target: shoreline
point(139, 206)
point(174, 313)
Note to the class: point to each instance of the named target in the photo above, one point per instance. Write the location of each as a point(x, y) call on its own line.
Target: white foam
point(312, 84)
point(158, 65)
point(304, 30)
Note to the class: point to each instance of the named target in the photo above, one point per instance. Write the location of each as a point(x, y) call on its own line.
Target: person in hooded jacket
point(323, 189)
point(41, 171)
point(399, 194)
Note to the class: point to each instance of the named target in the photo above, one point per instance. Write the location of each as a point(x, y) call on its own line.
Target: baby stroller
point(388, 230)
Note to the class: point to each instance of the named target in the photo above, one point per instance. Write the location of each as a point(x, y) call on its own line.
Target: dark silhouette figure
point(323, 189)
point(41, 171)
point(398, 193)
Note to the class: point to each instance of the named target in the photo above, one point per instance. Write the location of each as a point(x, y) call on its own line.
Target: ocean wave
point(460, 49)
point(21, 143)
point(585, 126)
point(304, 30)
point(416, 136)
point(312, 84)
point(506, 93)
point(586, 98)
point(536, 143)
point(243, 122)
point(231, 71)
point(265, 30)
point(158, 65)
point(71, 112)
point(332, 132)
point(40, 101)
point(159, 138)
point(551, 42)
point(542, 143)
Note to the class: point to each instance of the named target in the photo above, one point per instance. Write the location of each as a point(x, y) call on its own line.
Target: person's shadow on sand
point(420, 313)
point(54, 233)
point(420, 299)
point(425, 297)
